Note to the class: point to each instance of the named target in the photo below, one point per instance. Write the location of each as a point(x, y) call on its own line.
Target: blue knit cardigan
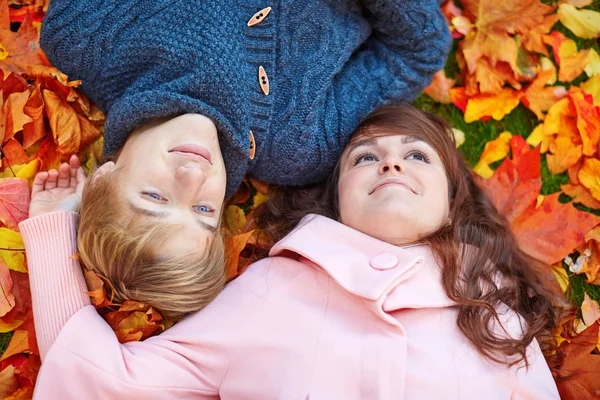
point(326, 65)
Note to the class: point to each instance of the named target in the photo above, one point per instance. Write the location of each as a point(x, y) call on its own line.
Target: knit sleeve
point(57, 284)
point(409, 43)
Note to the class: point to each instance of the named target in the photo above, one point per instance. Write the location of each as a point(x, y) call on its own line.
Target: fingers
point(52, 179)
point(38, 183)
point(64, 176)
point(75, 171)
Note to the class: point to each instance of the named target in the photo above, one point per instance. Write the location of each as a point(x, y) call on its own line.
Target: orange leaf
point(71, 130)
point(8, 382)
point(589, 176)
point(15, 154)
point(18, 344)
point(494, 150)
point(15, 117)
point(549, 232)
point(14, 201)
point(233, 247)
point(580, 194)
point(588, 120)
point(35, 130)
point(96, 289)
point(539, 98)
point(495, 106)
point(7, 299)
point(571, 62)
point(492, 78)
point(564, 155)
point(533, 40)
point(22, 46)
point(24, 393)
point(439, 89)
point(459, 98)
point(581, 363)
point(589, 310)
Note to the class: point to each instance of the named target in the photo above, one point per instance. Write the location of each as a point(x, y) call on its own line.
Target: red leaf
point(14, 201)
point(7, 299)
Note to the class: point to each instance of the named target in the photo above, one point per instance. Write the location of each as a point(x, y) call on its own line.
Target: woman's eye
point(154, 196)
point(203, 209)
point(365, 157)
point(418, 156)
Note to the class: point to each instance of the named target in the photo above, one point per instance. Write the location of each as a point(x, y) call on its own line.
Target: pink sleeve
point(535, 382)
point(57, 283)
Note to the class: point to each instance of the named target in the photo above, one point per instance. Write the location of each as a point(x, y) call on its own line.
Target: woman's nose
point(391, 164)
point(193, 178)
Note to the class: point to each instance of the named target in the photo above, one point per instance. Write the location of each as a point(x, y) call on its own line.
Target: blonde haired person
point(199, 94)
point(406, 284)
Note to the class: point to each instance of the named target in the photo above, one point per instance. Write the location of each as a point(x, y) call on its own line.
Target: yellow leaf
point(593, 66)
point(235, 219)
point(589, 176)
point(592, 87)
point(259, 198)
point(536, 135)
point(495, 106)
point(561, 276)
point(583, 23)
point(589, 310)
point(12, 240)
point(4, 327)
point(25, 171)
point(539, 200)
point(18, 344)
point(564, 155)
point(495, 150)
point(233, 247)
point(459, 137)
point(3, 52)
point(548, 65)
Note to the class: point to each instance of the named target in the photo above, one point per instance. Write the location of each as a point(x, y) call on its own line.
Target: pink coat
point(332, 314)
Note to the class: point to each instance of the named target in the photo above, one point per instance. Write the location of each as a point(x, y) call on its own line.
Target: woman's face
point(393, 188)
point(172, 171)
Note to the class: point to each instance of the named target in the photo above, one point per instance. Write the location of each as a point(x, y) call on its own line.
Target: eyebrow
point(373, 141)
point(162, 214)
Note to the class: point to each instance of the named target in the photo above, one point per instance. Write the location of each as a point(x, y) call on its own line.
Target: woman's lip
point(194, 151)
point(393, 182)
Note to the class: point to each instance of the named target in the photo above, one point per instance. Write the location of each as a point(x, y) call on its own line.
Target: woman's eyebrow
point(162, 214)
point(411, 139)
point(363, 142)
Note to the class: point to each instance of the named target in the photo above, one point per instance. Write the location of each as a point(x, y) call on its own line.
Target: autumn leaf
point(571, 62)
point(96, 289)
point(13, 112)
point(12, 247)
point(495, 150)
point(583, 23)
point(564, 155)
point(14, 201)
point(548, 232)
point(8, 382)
point(580, 194)
point(7, 299)
point(589, 176)
point(539, 98)
point(439, 89)
point(588, 120)
point(20, 47)
point(18, 344)
point(35, 130)
point(495, 106)
point(233, 247)
point(579, 376)
point(235, 219)
point(590, 310)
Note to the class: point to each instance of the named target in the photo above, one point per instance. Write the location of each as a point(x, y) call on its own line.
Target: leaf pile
point(542, 56)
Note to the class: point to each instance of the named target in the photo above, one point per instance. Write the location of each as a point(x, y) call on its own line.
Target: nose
point(191, 178)
point(390, 164)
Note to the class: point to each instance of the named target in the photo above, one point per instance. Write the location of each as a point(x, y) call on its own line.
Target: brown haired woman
point(405, 284)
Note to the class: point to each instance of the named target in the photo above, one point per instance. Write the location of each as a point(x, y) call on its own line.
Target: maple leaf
point(21, 47)
point(565, 154)
point(589, 176)
point(571, 62)
point(234, 246)
point(533, 40)
point(580, 194)
point(96, 289)
point(495, 106)
point(12, 111)
point(14, 201)
point(7, 299)
point(12, 247)
point(579, 376)
point(491, 79)
point(440, 86)
point(8, 382)
point(539, 98)
point(588, 120)
point(548, 231)
point(18, 344)
point(583, 23)
point(494, 150)
point(34, 130)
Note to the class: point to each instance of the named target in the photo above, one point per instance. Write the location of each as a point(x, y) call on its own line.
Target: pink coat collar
point(358, 263)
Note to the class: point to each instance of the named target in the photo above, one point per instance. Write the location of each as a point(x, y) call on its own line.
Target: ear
point(104, 168)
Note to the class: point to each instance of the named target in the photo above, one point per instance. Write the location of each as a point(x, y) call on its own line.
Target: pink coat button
point(384, 261)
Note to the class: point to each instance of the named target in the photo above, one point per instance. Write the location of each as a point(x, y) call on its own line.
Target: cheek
point(349, 194)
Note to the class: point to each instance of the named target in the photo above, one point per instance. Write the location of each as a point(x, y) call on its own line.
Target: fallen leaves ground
point(522, 86)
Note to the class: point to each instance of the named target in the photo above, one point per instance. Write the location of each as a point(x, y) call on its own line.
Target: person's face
point(173, 172)
point(393, 188)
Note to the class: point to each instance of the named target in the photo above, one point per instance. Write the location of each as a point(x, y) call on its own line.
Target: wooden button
point(252, 146)
point(259, 16)
point(263, 80)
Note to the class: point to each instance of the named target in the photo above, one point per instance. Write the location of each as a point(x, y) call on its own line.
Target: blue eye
point(154, 196)
point(418, 156)
point(368, 157)
point(203, 209)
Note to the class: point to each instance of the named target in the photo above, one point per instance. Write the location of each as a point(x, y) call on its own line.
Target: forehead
point(372, 140)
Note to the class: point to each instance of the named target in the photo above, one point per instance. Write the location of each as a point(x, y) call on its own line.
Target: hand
point(58, 190)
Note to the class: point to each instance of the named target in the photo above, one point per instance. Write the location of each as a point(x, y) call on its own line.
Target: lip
point(193, 151)
point(389, 182)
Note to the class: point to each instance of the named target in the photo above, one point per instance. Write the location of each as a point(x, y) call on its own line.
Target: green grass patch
point(4, 341)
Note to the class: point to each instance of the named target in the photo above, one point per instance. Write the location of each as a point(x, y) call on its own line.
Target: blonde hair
point(126, 250)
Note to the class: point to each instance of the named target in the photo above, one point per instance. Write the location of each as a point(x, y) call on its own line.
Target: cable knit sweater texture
point(329, 63)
